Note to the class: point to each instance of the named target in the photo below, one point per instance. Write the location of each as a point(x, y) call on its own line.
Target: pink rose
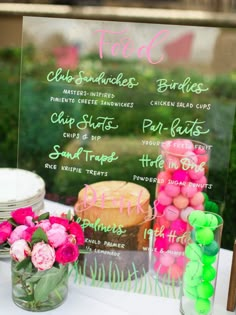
point(45, 225)
point(67, 253)
point(29, 221)
point(27, 233)
point(76, 229)
point(43, 256)
point(56, 235)
point(71, 238)
point(5, 231)
point(59, 220)
point(19, 215)
point(20, 250)
point(17, 233)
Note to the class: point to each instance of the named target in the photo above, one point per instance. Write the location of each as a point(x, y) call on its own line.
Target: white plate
point(35, 207)
point(19, 186)
point(4, 215)
point(30, 203)
point(22, 204)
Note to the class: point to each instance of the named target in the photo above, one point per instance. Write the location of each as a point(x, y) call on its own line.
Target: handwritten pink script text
point(123, 46)
point(91, 198)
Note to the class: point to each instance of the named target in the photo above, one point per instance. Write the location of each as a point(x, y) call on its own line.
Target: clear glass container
point(202, 253)
point(38, 291)
point(179, 191)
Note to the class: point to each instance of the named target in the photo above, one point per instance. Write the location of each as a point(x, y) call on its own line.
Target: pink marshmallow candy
point(195, 174)
point(191, 156)
point(164, 199)
point(201, 183)
point(162, 243)
point(185, 213)
point(180, 176)
point(171, 213)
point(202, 155)
point(163, 221)
point(176, 249)
point(180, 146)
point(197, 199)
point(180, 201)
point(166, 259)
point(163, 177)
point(188, 191)
point(199, 207)
point(172, 190)
point(179, 226)
point(172, 163)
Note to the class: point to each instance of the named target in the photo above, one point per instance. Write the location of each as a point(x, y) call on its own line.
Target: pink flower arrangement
point(44, 240)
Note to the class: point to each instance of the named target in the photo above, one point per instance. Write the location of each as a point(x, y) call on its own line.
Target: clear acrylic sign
point(130, 125)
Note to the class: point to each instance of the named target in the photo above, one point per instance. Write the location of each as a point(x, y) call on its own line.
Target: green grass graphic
point(116, 279)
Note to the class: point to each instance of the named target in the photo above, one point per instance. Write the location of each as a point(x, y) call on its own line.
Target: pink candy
point(179, 226)
point(163, 177)
point(202, 155)
point(180, 146)
point(197, 199)
point(200, 183)
point(195, 174)
point(172, 190)
point(171, 213)
point(180, 176)
point(181, 202)
point(172, 163)
point(199, 207)
point(188, 191)
point(176, 249)
point(161, 243)
point(164, 199)
point(191, 156)
point(163, 221)
point(166, 259)
point(185, 213)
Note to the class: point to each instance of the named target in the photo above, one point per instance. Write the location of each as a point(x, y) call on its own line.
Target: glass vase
point(202, 253)
point(38, 291)
point(179, 191)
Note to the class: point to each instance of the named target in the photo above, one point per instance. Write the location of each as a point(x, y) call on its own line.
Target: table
point(100, 301)
point(89, 300)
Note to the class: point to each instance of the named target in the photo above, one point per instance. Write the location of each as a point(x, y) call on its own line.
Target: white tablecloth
point(90, 300)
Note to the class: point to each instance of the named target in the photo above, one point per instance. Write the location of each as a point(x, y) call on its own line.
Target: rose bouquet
point(41, 248)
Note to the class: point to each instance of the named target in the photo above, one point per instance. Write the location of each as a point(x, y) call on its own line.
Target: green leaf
point(37, 276)
point(48, 282)
point(23, 264)
point(43, 216)
point(10, 220)
point(28, 298)
point(38, 236)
